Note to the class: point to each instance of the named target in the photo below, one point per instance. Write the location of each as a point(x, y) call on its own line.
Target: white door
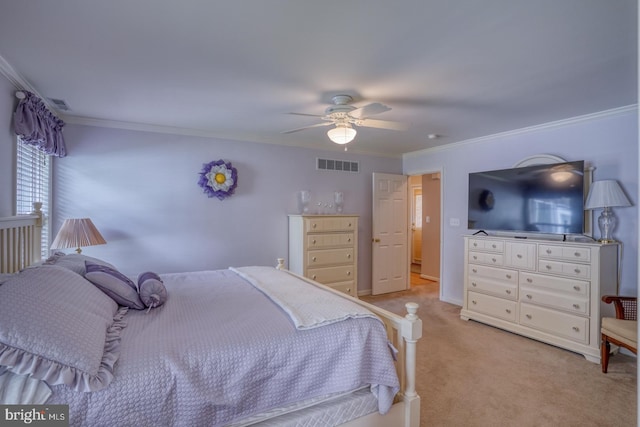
point(390, 252)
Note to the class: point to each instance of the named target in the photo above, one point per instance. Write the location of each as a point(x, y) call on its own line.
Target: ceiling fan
point(344, 116)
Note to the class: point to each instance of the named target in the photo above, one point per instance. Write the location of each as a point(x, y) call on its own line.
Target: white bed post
point(411, 336)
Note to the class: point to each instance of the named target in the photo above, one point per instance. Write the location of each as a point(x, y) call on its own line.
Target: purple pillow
point(115, 284)
point(151, 289)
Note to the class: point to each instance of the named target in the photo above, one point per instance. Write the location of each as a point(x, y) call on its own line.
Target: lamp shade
point(606, 193)
point(342, 134)
point(76, 233)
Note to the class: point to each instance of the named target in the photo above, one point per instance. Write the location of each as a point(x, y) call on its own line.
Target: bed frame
point(20, 238)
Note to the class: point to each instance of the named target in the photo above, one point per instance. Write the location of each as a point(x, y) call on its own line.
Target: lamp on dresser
point(76, 233)
point(606, 195)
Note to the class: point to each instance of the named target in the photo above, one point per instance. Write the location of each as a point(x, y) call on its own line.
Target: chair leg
point(605, 349)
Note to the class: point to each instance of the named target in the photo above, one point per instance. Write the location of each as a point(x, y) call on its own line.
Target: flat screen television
point(533, 199)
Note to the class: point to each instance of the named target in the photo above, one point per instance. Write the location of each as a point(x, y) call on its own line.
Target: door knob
point(376, 240)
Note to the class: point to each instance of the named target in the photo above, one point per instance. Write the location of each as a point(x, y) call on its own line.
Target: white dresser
point(325, 248)
point(546, 290)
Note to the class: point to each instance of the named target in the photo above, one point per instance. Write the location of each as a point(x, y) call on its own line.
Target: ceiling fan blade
point(308, 115)
point(369, 110)
point(381, 124)
point(307, 127)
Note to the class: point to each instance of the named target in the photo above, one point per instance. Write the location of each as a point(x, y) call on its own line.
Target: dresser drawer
point(568, 253)
point(574, 287)
point(569, 303)
point(565, 325)
point(581, 271)
point(485, 258)
point(494, 287)
point(325, 257)
point(346, 287)
point(328, 275)
point(520, 255)
point(329, 240)
point(334, 223)
point(486, 245)
point(499, 274)
point(492, 306)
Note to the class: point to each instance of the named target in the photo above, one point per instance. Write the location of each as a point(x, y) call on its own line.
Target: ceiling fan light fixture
point(342, 134)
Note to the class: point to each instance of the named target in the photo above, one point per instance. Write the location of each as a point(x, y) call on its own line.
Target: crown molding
point(551, 125)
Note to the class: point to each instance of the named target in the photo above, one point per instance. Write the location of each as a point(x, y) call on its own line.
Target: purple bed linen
point(218, 351)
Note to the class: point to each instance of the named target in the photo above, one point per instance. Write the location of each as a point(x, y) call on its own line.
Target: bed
point(249, 345)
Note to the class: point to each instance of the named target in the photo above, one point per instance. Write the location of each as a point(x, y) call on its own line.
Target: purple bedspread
point(219, 350)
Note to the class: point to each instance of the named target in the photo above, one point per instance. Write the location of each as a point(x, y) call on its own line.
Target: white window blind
point(33, 183)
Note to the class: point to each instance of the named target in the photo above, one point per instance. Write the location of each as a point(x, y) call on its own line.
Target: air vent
point(60, 104)
point(337, 165)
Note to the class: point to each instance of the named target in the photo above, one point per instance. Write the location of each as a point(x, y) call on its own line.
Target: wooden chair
point(621, 330)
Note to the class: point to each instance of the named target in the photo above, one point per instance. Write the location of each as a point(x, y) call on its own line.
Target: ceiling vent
point(337, 165)
point(60, 104)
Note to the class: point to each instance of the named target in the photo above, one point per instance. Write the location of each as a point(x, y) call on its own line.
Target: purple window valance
point(38, 126)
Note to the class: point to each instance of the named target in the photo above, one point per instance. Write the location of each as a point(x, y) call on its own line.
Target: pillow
point(151, 289)
point(115, 284)
point(57, 327)
point(74, 262)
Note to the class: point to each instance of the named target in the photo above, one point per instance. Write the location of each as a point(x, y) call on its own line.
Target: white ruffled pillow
point(57, 327)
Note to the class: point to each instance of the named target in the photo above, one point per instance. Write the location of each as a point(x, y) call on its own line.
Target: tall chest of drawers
point(547, 290)
point(325, 248)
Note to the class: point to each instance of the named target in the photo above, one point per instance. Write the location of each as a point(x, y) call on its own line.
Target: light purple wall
point(608, 141)
point(7, 146)
point(140, 189)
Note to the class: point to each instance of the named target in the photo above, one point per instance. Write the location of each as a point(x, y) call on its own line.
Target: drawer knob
point(349, 256)
point(349, 240)
point(475, 257)
point(529, 280)
point(474, 284)
point(528, 316)
point(475, 244)
point(508, 276)
point(313, 259)
point(519, 256)
point(508, 291)
point(575, 328)
point(576, 306)
point(576, 287)
point(349, 290)
point(313, 277)
point(348, 273)
point(493, 259)
point(474, 301)
point(548, 251)
point(577, 254)
point(313, 241)
point(493, 246)
point(508, 311)
point(314, 225)
point(548, 267)
point(529, 296)
point(577, 271)
point(474, 270)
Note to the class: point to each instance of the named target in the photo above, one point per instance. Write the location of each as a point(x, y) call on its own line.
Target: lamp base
point(606, 223)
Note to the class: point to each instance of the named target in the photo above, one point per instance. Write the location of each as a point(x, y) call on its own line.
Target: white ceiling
point(234, 69)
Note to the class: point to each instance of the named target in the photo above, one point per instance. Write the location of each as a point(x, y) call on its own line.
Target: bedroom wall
point(7, 140)
point(140, 189)
point(608, 141)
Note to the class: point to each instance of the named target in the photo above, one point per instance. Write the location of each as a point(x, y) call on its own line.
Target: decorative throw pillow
point(74, 262)
point(57, 327)
point(151, 289)
point(115, 284)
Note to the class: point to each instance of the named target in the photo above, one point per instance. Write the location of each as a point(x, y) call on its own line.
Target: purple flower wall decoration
point(218, 179)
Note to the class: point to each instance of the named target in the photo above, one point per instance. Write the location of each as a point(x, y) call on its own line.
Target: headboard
point(20, 238)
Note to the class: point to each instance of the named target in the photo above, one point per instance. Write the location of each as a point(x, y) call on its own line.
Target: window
point(33, 173)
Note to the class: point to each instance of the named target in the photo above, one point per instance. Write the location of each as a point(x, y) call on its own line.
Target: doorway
point(425, 206)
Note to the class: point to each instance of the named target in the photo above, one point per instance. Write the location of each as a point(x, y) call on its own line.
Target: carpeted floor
point(470, 374)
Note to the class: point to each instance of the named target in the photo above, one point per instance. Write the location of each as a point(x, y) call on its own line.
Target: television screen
point(536, 199)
